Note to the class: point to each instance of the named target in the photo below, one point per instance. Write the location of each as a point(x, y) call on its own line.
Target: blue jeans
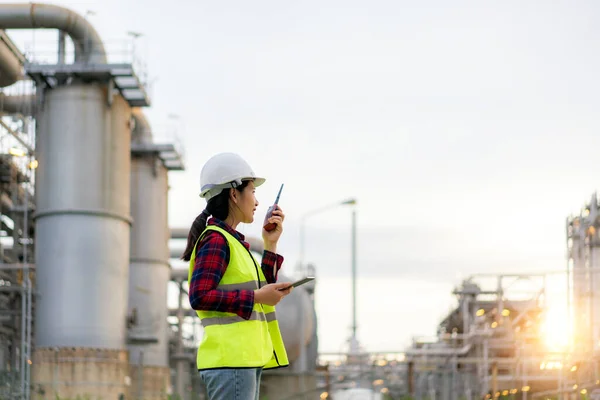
point(232, 383)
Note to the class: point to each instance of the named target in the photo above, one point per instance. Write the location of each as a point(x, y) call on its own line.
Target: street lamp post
point(353, 340)
point(302, 269)
point(351, 201)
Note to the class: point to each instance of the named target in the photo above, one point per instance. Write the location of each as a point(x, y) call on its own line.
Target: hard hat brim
point(258, 181)
point(216, 189)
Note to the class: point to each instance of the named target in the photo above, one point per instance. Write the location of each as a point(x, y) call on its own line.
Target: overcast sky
point(467, 131)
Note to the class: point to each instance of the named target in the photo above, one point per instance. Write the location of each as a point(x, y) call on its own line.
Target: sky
point(466, 130)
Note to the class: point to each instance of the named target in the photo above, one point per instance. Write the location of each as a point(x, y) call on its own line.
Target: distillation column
point(82, 241)
point(583, 247)
point(149, 269)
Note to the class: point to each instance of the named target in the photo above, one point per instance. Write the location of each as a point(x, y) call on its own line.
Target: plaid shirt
point(212, 258)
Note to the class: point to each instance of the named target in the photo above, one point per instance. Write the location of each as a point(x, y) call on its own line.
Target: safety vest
point(230, 341)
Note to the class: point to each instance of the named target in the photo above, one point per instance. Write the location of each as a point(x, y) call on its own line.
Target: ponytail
point(197, 228)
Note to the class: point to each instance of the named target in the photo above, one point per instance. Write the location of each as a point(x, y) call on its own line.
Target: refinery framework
point(78, 163)
point(86, 258)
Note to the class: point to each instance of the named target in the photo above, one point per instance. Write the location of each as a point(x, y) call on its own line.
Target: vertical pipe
point(354, 275)
point(454, 379)
point(560, 382)
point(467, 383)
point(23, 324)
point(486, 366)
point(500, 295)
point(27, 281)
point(569, 256)
point(466, 315)
point(524, 369)
point(180, 363)
point(29, 327)
point(141, 376)
point(432, 391)
point(62, 47)
point(302, 355)
point(327, 379)
point(494, 378)
point(410, 378)
point(591, 290)
point(55, 372)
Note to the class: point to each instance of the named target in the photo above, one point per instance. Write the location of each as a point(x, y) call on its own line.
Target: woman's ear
point(233, 195)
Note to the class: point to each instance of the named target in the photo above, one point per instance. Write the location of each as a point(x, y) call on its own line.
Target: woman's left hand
point(271, 238)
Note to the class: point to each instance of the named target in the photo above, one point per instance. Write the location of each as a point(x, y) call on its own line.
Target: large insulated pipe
point(11, 61)
point(88, 45)
point(142, 132)
point(18, 104)
point(149, 269)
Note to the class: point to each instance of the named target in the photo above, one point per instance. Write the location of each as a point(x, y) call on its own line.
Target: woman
point(233, 296)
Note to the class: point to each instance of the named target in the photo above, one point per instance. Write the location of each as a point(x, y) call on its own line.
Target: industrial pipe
point(88, 45)
point(142, 132)
point(440, 352)
point(11, 61)
point(16, 104)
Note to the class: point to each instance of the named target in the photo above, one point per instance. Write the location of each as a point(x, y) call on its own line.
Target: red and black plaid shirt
point(212, 258)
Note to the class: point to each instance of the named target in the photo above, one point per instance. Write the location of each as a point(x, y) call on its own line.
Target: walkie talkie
point(269, 226)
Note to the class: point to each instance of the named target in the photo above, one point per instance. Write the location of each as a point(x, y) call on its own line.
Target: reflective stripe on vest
point(256, 316)
point(229, 340)
point(250, 285)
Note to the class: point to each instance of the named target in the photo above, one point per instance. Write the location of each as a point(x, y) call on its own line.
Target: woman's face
point(247, 203)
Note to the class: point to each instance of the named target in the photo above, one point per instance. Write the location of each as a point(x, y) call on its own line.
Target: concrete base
point(149, 382)
point(279, 385)
point(79, 373)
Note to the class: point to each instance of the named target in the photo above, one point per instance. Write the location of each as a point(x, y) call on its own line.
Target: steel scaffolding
point(17, 268)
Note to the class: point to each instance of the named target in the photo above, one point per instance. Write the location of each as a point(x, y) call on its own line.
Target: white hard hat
point(225, 170)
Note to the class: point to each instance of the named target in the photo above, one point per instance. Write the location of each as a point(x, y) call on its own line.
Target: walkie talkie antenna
point(279, 194)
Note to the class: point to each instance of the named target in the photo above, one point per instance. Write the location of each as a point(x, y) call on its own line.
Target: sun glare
point(555, 328)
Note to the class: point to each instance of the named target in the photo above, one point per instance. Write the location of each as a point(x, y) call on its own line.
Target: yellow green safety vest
point(230, 341)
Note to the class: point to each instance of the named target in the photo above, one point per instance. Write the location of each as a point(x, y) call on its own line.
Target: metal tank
point(82, 240)
point(297, 322)
point(295, 314)
point(149, 270)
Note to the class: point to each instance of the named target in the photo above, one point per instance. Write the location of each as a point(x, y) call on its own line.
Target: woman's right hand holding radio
point(271, 237)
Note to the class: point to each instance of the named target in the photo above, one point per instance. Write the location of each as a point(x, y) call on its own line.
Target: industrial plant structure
point(87, 263)
point(491, 345)
point(86, 258)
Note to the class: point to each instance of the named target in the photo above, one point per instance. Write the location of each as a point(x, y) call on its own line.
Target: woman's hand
point(271, 238)
point(271, 294)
